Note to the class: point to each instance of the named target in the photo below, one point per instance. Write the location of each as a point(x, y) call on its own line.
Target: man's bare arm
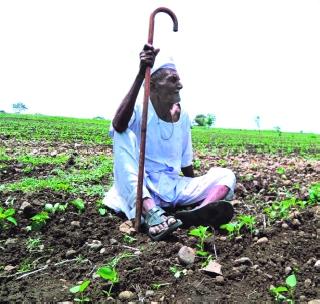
point(125, 110)
point(188, 171)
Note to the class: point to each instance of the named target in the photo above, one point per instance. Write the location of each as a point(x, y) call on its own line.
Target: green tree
point(205, 120)
point(210, 120)
point(19, 107)
point(200, 120)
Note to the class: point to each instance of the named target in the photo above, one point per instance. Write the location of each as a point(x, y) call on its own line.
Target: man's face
point(168, 87)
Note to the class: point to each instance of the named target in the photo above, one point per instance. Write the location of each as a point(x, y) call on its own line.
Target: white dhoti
point(166, 186)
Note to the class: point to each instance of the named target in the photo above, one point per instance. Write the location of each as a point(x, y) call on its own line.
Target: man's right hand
point(148, 56)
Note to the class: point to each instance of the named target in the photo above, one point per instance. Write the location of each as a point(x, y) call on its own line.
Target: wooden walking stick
point(145, 114)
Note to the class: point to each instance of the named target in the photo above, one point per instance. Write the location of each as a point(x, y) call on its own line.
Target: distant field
point(215, 141)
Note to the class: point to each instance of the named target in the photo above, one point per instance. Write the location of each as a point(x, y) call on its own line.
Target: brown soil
point(295, 245)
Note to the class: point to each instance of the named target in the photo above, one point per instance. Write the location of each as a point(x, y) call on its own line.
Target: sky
point(237, 59)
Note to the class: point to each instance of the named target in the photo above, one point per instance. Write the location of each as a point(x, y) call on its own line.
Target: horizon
point(100, 118)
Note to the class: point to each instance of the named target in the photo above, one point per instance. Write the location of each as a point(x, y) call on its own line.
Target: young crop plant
point(197, 164)
point(101, 208)
point(42, 160)
point(285, 294)
point(38, 220)
point(25, 266)
point(109, 272)
point(157, 286)
point(248, 221)
point(178, 272)
point(57, 207)
point(79, 204)
point(129, 239)
point(234, 228)
point(280, 210)
point(3, 155)
point(314, 193)
point(80, 289)
point(33, 244)
point(202, 234)
point(7, 216)
point(281, 170)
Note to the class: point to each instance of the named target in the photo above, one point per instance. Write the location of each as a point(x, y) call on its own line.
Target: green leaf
point(279, 289)
point(291, 281)
point(102, 211)
point(80, 288)
point(84, 285)
point(195, 232)
point(79, 204)
point(108, 273)
point(75, 289)
point(202, 253)
point(12, 220)
point(48, 207)
point(9, 212)
point(200, 232)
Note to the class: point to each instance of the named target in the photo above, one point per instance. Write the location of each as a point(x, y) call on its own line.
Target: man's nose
point(179, 85)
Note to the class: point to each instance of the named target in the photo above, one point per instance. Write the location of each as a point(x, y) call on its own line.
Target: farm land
point(58, 243)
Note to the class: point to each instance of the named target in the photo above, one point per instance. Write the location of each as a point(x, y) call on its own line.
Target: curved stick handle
point(151, 21)
point(145, 114)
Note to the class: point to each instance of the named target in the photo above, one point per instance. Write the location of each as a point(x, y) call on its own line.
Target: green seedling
point(33, 244)
point(25, 266)
point(109, 272)
point(79, 204)
point(248, 221)
point(128, 239)
point(202, 234)
point(38, 220)
point(102, 211)
point(207, 261)
point(7, 215)
point(178, 272)
point(285, 293)
point(232, 229)
point(281, 170)
point(157, 286)
point(197, 164)
point(80, 289)
point(222, 163)
point(57, 207)
point(281, 210)
point(101, 208)
point(314, 193)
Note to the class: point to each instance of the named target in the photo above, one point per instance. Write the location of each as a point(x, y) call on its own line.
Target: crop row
point(220, 141)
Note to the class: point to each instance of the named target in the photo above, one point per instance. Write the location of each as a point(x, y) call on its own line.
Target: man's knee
point(223, 176)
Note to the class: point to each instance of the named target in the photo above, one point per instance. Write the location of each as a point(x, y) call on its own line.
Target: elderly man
point(168, 153)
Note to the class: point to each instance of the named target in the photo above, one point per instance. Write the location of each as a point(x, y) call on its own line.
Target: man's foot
point(158, 225)
point(213, 214)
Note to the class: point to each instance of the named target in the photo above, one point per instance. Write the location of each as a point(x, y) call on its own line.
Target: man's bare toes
point(154, 230)
point(171, 220)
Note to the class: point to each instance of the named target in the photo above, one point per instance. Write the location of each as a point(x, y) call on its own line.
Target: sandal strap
point(153, 216)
